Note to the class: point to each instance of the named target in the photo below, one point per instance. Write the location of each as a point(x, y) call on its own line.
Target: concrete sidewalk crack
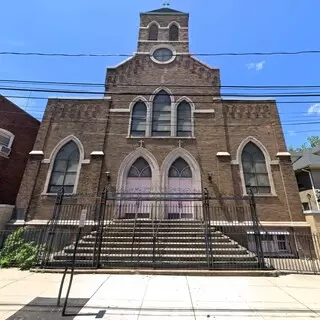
point(194, 313)
point(144, 294)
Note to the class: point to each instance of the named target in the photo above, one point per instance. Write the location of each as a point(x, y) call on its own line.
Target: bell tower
point(164, 28)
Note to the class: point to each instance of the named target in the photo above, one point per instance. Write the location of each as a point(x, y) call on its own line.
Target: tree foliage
point(18, 252)
point(312, 141)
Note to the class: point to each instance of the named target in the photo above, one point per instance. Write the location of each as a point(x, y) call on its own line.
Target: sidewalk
point(160, 297)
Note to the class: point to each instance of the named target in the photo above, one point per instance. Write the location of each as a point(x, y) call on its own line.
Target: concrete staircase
point(174, 244)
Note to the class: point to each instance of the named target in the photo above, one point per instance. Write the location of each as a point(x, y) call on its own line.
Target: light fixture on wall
point(108, 176)
point(210, 176)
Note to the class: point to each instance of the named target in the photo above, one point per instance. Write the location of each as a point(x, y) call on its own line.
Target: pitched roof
point(164, 11)
point(305, 159)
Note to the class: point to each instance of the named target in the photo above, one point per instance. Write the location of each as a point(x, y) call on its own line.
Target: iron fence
point(157, 230)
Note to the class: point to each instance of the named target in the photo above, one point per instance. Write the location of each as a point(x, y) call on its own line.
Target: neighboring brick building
point(162, 125)
point(18, 132)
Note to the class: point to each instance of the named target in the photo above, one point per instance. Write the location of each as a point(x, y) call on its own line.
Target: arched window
point(161, 115)
point(180, 169)
point(184, 123)
point(140, 169)
point(255, 169)
point(65, 168)
point(138, 119)
point(153, 32)
point(174, 33)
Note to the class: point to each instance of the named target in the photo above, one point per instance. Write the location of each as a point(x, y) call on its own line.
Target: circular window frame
point(174, 52)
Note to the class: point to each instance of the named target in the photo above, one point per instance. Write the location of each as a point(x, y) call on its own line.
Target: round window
point(163, 55)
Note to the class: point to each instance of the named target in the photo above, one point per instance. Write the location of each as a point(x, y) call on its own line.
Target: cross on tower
point(166, 4)
point(141, 143)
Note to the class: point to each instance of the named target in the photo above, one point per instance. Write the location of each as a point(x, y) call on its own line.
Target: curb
point(171, 272)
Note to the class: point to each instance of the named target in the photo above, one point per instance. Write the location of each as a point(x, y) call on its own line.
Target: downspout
point(313, 188)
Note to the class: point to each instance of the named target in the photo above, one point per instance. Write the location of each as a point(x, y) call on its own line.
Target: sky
point(102, 26)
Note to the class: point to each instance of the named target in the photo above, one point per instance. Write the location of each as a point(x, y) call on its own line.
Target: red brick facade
point(24, 128)
point(220, 126)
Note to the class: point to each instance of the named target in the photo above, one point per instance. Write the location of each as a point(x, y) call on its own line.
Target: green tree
point(312, 141)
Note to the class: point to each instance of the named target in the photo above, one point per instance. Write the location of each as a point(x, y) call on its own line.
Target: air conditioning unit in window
point(5, 150)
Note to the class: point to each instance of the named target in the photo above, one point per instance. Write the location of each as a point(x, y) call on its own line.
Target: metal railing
point(168, 231)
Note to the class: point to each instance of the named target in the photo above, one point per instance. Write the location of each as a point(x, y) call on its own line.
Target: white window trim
point(172, 23)
point(165, 28)
point(128, 162)
point(53, 157)
point(163, 41)
point(133, 102)
point(163, 46)
point(175, 115)
point(153, 22)
point(10, 134)
point(268, 165)
point(149, 119)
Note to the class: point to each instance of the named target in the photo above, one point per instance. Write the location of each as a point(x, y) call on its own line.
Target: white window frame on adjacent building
point(267, 161)
point(52, 158)
point(11, 138)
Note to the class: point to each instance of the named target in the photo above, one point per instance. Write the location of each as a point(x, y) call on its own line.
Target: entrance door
point(180, 205)
point(138, 186)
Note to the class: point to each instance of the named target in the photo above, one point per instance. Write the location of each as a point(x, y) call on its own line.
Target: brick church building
point(162, 127)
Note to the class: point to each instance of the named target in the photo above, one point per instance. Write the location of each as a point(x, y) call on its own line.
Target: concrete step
point(165, 239)
point(159, 257)
point(202, 265)
point(160, 238)
point(159, 250)
point(149, 244)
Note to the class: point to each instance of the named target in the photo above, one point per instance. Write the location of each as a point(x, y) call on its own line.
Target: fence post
point(51, 227)
point(207, 225)
point(98, 242)
point(256, 229)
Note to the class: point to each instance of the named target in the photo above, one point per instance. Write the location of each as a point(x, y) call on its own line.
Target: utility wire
point(61, 54)
point(129, 101)
point(93, 84)
point(122, 93)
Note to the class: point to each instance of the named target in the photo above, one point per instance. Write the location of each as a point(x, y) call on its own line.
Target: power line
point(92, 84)
point(129, 101)
point(216, 54)
point(122, 93)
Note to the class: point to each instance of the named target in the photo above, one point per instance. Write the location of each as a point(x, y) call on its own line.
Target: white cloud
point(314, 109)
point(291, 133)
point(258, 66)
